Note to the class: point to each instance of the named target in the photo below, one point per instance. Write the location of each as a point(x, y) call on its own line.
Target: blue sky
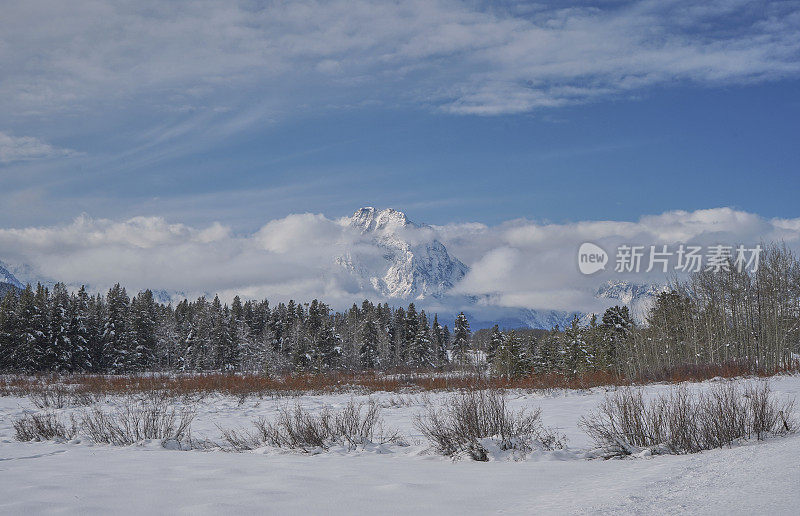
point(686, 148)
point(242, 112)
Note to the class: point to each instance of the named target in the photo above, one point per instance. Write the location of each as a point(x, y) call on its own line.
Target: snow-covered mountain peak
point(368, 219)
point(402, 268)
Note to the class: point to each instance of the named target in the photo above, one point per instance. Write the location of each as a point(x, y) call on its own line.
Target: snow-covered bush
point(682, 421)
point(473, 421)
point(354, 425)
point(136, 421)
point(45, 426)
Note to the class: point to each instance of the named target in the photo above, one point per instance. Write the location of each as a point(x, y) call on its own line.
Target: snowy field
point(81, 477)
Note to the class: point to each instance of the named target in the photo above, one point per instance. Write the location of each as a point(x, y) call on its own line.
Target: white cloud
point(519, 263)
point(24, 148)
point(298, 233)
point(527, 264)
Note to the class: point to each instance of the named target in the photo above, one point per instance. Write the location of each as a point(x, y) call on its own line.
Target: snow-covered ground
point(79, 477)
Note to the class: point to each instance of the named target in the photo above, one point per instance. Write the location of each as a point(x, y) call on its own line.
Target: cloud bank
point(518, 264)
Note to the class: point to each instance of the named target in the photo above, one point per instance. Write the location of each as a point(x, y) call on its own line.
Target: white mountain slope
point(395, 266)
point(8, 282)
point(638, 297)
point(7, 277)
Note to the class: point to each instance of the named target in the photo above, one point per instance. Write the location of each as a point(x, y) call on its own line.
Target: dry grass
point(355, 425)
point(75, 390)
point(683, 421)
point(45, 426)
point(700, 372)
point(136, 421)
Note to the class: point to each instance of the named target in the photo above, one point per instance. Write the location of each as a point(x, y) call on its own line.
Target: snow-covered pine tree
point(186, 336)
point(617, 325)
point(410, 329)
point(577, 357)
point(421, 355)
point(115, 331)
point(508, 358)
point(97, 317)
point(41, 324)
point(548, 357)
point(299, 338)
point(300, 341)
point(237, 334)
point(142, 331)
point(369, 345)
point(313, 331)
point(58, 353)
point(168, 341)
point(8, 330)
point(260, 350)
point(383, 321)
point(219, 341)
point(461, 338)
point(495, 341)
point(398, 337)
point(329, 344)
point(80, 332)
point(349, 325)
point(205, 318)
point(439, 341)
point(26, 356)
point(278, 326)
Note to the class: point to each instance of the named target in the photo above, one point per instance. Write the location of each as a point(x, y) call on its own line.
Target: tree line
point(728, 316)
point(750, 318)
point(44, 330)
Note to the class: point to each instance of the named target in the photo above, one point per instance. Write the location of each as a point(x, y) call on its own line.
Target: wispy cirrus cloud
point(461, 57)
point(25, 148)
